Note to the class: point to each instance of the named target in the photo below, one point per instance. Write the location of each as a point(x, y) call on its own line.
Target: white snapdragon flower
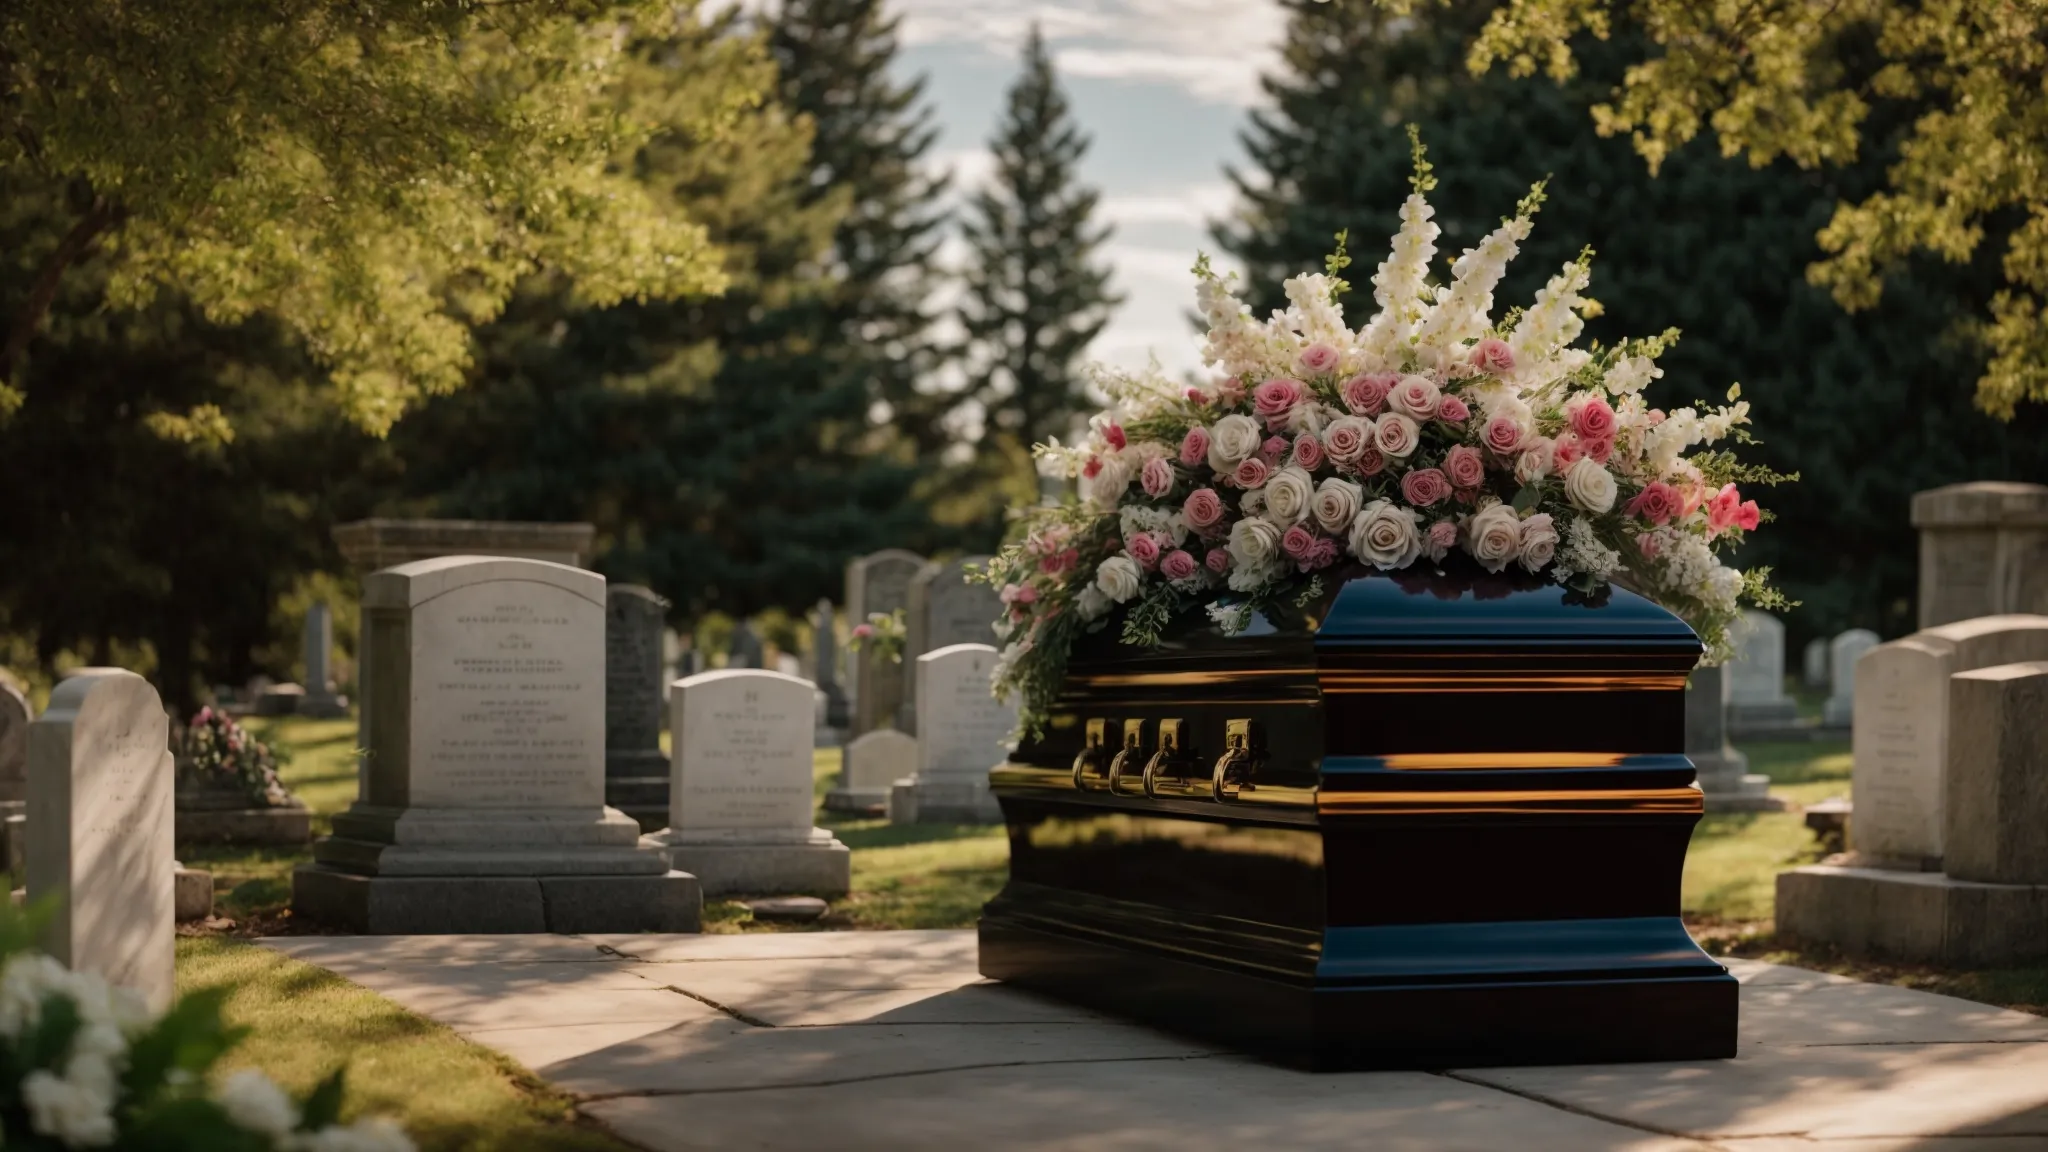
point(1631, 374)
point(1399, 282)
point(1552, 323)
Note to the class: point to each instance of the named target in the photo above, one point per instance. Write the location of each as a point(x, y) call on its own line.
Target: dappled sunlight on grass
point(1731, 870)
point(448, 1093)
point(1803, 772)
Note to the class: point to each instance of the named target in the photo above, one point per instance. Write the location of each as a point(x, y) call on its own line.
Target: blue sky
point(1162, 87)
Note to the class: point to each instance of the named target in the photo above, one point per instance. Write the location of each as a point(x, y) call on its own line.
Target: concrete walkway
point(890, 1040)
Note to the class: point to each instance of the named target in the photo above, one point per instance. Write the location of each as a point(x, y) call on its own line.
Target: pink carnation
point(1424, 486)
point(1452, 410)
point(1308, 452)
point(1250, 474)
point(1217, 561)
point(1194, 448)
point(1465, 467)
point(1322, 553)
point(1726, 510)
point(1178, 564)
point(1748, 516)
point(1144, 549)
point(1566, 451)
point(1365, 395)
point(1318, 358)
point(1157, 478)
point(1274, 399)
point(1203, 509)
point(1599, 449)
point(1648, 543)
point(1493, 355)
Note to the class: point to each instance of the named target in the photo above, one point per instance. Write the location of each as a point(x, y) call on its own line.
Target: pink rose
point(1502, 436)
point(1274, 399)
point(1452, 410)
point(1019, 594)
point(1416, 396)
point(1493, 355)
point(1443, 536)
point(1203, 509)
point(1598, 449)
point(1567, 451)
point(1249, 474)
point(1346, 438)
point(863, 631)
point(1308, 452)
point(1465, 467)
point(1194, 448)
point(1658, 503)
point(1273, 450)
point(1748, 516)
point(1424, 486)
point(1365, 394)
point(1318, 358)
point(1371, 462)
point(1396, 435)
point(1113, 435)
point(1157, 478)
point(1297, 542)
point(1145, 550)
point(1591, 418)
point(1196, 397)
point(1179, 564)
point(1217, 561)
point(1060, 562)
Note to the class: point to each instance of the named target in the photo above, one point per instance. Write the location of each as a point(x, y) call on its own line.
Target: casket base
point(1427, 1025)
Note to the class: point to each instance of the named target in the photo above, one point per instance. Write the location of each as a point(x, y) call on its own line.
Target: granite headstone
point(1983, 550)
point(635, 767)
point(1756, 677)
point(878, 583)
point(1843, 653)
point(872, 764)
point(320, 700)
point(1724, 774)
point(963, 733)
point(946, 608)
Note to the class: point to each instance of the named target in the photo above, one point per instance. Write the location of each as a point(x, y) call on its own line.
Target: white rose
point(1288, 494)
point(1108, 485)
point(1539, 542)
point(1396, 435)
point(1336, 505)
point(1346, 438)
point(1232, 441)
point(1091, 603)
point(1416, 397)
point(1119, 578)
point(1386, 535)
point(1533, 464)
point(1254, 542)
point(1494, 535)
point(1588, 486)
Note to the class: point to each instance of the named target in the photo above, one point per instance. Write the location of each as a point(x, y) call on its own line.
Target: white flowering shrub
point(87, 1065)
point(1433, 429)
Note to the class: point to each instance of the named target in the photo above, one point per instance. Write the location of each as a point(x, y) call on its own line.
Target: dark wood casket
point(1434, 819)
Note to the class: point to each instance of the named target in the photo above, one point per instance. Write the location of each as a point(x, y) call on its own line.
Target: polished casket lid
point(1459, 605)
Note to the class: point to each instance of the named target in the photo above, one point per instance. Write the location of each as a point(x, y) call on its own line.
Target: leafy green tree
point(377, 175)
point(724, 447)
point(1035, 292)
point(1809, 83)
point(1868, 408)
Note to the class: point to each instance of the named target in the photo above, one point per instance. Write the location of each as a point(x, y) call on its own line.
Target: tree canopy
point(1803, 81)
point(377, 175)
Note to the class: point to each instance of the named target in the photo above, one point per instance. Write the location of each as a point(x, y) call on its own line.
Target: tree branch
point(43, 291)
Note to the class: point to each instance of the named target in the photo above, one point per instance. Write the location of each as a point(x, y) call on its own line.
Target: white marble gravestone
point(1900, 731)
point(1756, 677)
point(1815, 671)
point(946, 608)
point(100, 829)
point(320, 700)
point(878, 582)
point(964, 731)
point(873, 763)
point(482, 784)
point(740, 792)
point(635, 767)
point(1724, 774)
point(834, 714)
point(1843, 653)
point(1983, 550)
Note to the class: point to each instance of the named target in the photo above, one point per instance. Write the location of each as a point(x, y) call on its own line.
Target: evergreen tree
point(1868, 407)
point(723, 447)
point(1035, 294)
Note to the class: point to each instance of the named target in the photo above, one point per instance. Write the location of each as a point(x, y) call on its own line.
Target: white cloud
point(1193, 205)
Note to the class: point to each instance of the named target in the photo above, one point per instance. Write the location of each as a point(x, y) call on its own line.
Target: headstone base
point(445, 905)
point(323, 706)
point(1920, 917)
point(1750, 794)
point(282, 700)
point(861, 801)
point(1746, 720)
point(1838, 713)
point(191, 893)
point(291, 824)
point(820, 866)
point(918, 801)
point(636, 783)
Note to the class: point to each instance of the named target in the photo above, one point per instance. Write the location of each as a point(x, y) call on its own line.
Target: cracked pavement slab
point(892, 1040)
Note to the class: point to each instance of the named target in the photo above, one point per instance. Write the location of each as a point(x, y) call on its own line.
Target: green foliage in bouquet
point(883, 633)
point(86, 1065)
point(219, 753)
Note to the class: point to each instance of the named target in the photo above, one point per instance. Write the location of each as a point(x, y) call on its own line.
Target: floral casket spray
point(1353, 684)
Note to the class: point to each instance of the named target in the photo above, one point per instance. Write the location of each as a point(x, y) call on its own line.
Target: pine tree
point(1710, 246)
point(1035, 294)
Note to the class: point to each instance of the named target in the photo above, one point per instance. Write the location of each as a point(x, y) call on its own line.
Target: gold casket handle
point(1090, 748)
point(1240, 742)
point(1134, 741)
point(1169, 751)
